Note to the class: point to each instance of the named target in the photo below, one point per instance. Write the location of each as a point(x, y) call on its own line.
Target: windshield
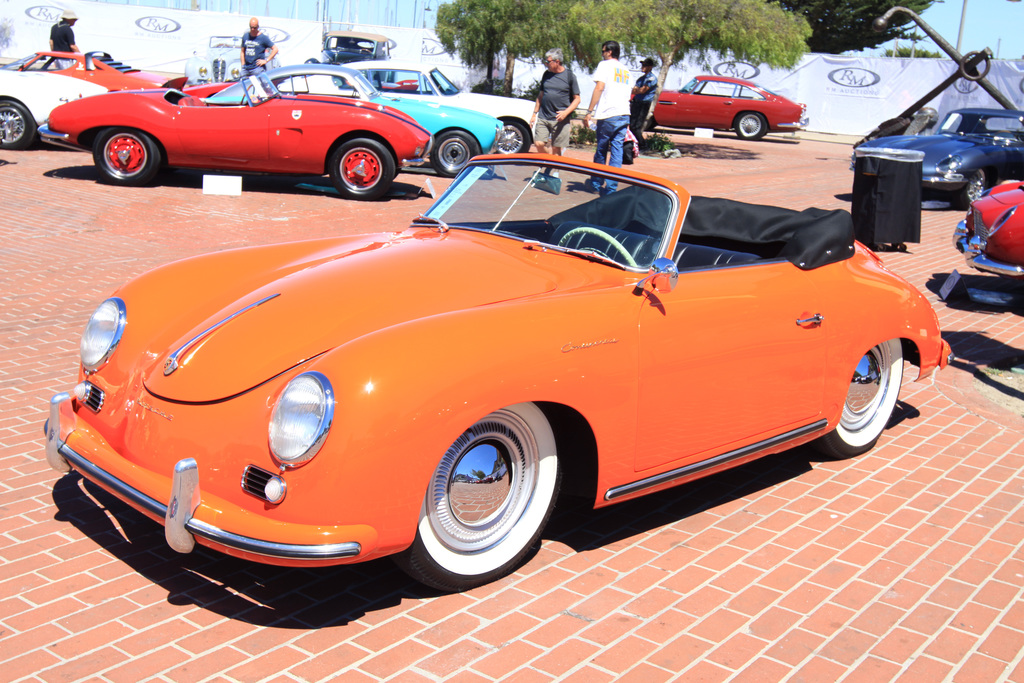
point(1010, 124)
point(689, 87)
point(441, 82)
point(555, 207)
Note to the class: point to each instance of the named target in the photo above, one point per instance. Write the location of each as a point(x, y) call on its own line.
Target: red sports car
point(992, 235)
point(94, 67)
point(726, 103)
point(133, 134)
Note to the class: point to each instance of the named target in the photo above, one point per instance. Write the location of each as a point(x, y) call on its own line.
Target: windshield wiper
point(441, 226)
point(581, 253)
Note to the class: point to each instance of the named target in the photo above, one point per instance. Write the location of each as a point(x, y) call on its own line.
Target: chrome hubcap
point(867, 389)
point(484, 483)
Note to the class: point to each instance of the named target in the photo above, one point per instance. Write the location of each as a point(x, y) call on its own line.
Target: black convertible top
point(808, 239)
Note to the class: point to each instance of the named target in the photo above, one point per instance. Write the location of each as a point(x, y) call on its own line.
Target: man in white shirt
point(609, 107)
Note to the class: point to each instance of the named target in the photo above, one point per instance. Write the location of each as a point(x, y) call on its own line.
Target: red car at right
point(725, 103)
point(991, 237)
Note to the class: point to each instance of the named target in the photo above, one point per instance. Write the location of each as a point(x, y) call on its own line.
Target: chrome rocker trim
point(180, 527)
point(716, 461)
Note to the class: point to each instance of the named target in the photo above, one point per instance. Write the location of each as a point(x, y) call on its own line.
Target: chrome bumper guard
point(181, 527)
point(953, 181)
point(59, 139)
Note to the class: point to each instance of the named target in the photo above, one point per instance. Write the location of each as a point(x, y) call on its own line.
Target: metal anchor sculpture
point(968, 69)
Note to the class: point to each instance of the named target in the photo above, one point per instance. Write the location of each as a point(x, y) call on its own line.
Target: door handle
point(815, 319)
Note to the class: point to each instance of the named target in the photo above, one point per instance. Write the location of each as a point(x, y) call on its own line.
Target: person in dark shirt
point(559, 96)
point(62, 38)
point(257, 50)
point(644, 90)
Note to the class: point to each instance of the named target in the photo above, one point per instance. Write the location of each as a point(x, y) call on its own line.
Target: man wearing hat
point(644, 90)
point(62, 38)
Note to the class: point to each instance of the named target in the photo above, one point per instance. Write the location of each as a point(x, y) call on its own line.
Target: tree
point(845, 25)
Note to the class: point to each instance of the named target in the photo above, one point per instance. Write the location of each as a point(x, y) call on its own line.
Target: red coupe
point(133, 134)
point(94, 67)
point(726, 103)
point(991, 237)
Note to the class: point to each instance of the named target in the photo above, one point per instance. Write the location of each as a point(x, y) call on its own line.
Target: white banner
point(844, 95)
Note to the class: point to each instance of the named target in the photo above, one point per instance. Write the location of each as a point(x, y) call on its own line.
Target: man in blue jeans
point(609, 107)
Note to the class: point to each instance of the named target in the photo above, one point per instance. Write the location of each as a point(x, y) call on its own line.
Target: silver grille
point(254, 481)
point(980, 229)
point(93, 398)
point(220, 68)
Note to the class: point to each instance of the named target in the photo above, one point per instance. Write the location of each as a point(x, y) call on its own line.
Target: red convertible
point(94, 67)
point(728, 104)
point(991, 237)
point(133, 134)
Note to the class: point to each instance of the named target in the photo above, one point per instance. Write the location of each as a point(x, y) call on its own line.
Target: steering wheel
point(587, 230)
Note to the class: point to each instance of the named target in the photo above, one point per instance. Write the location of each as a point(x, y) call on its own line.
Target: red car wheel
point(126, 157)
point(362, 169)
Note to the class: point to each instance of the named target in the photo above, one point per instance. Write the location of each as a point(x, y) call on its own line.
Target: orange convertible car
point(425, 393)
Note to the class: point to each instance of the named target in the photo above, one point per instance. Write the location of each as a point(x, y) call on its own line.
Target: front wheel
point(488, 501)
point(361, 169)
point(452, 151)
point(17, 127)
point(976, 183)
point(871, 398)
point(125, 156)
point(513, 138)
point(751, 125)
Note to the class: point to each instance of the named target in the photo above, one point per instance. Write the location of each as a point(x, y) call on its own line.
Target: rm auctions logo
point(854, 77)
point(736, 70)
point(964, 86)
point(154, 24)
point(45, 13)
point(276, 35)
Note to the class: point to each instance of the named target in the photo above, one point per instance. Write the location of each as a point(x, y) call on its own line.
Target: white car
point(426, 81)
point(26, 100)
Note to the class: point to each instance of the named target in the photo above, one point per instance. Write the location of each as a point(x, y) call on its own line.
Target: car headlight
point(204, 72)
point(301, 419)
point(236, 72)
point(950, 164)
point(102, 334)
point(1001, 221)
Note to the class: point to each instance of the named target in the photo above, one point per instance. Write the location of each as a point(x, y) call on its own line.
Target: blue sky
point(995, 24)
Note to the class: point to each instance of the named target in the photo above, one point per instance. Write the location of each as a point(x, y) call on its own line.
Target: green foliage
point(496, 86)
point(846, 25)
point(906, 51)
point(581, 136)
point(658, 142)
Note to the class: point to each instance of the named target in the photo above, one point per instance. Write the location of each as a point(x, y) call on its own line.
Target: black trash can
point(887, 196)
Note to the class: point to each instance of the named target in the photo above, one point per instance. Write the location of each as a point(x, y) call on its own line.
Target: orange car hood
point(325, 303)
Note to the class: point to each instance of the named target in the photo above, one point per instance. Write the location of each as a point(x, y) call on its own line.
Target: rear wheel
point(125, 156)
point(452, 151)
point(513, 138)
point(750, 125)
point(874, 388)
point(488, 501)
point(17, 127)
point(362, 169)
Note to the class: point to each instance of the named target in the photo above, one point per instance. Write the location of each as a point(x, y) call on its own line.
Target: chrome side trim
point(290, 551)
point(46, 134)
point(171, 364)
point(716, 461)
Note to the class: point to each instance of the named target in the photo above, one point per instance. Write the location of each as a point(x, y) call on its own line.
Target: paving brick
point(902, 564)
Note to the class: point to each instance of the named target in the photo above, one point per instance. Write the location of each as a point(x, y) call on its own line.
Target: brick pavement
point(904, 564)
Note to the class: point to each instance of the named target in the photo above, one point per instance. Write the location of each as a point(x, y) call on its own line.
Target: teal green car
point(459, 134)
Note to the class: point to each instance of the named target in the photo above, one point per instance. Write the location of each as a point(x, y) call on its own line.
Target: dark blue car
point(973, 150)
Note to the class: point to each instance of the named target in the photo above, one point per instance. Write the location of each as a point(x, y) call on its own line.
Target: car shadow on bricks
point(250, 592)
point(578, 526)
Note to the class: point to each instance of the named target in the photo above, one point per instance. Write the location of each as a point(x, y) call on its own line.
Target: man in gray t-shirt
point(558, 98)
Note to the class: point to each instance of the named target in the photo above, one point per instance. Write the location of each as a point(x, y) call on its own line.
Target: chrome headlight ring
point(301, 419)
point(102, 334)
point(950, 164)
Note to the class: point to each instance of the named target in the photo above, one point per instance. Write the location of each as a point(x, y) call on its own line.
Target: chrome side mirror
point(662, 277)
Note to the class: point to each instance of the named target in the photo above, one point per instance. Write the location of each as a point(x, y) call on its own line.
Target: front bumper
point(948, 182)
point(46, 134)
point(181, 527)
point(973, 249)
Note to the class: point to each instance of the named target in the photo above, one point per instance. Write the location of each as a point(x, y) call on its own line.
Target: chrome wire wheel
point(513, 138)
point(17, 127)
point(751, 125)
point(870, 400)
point(489, 498)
